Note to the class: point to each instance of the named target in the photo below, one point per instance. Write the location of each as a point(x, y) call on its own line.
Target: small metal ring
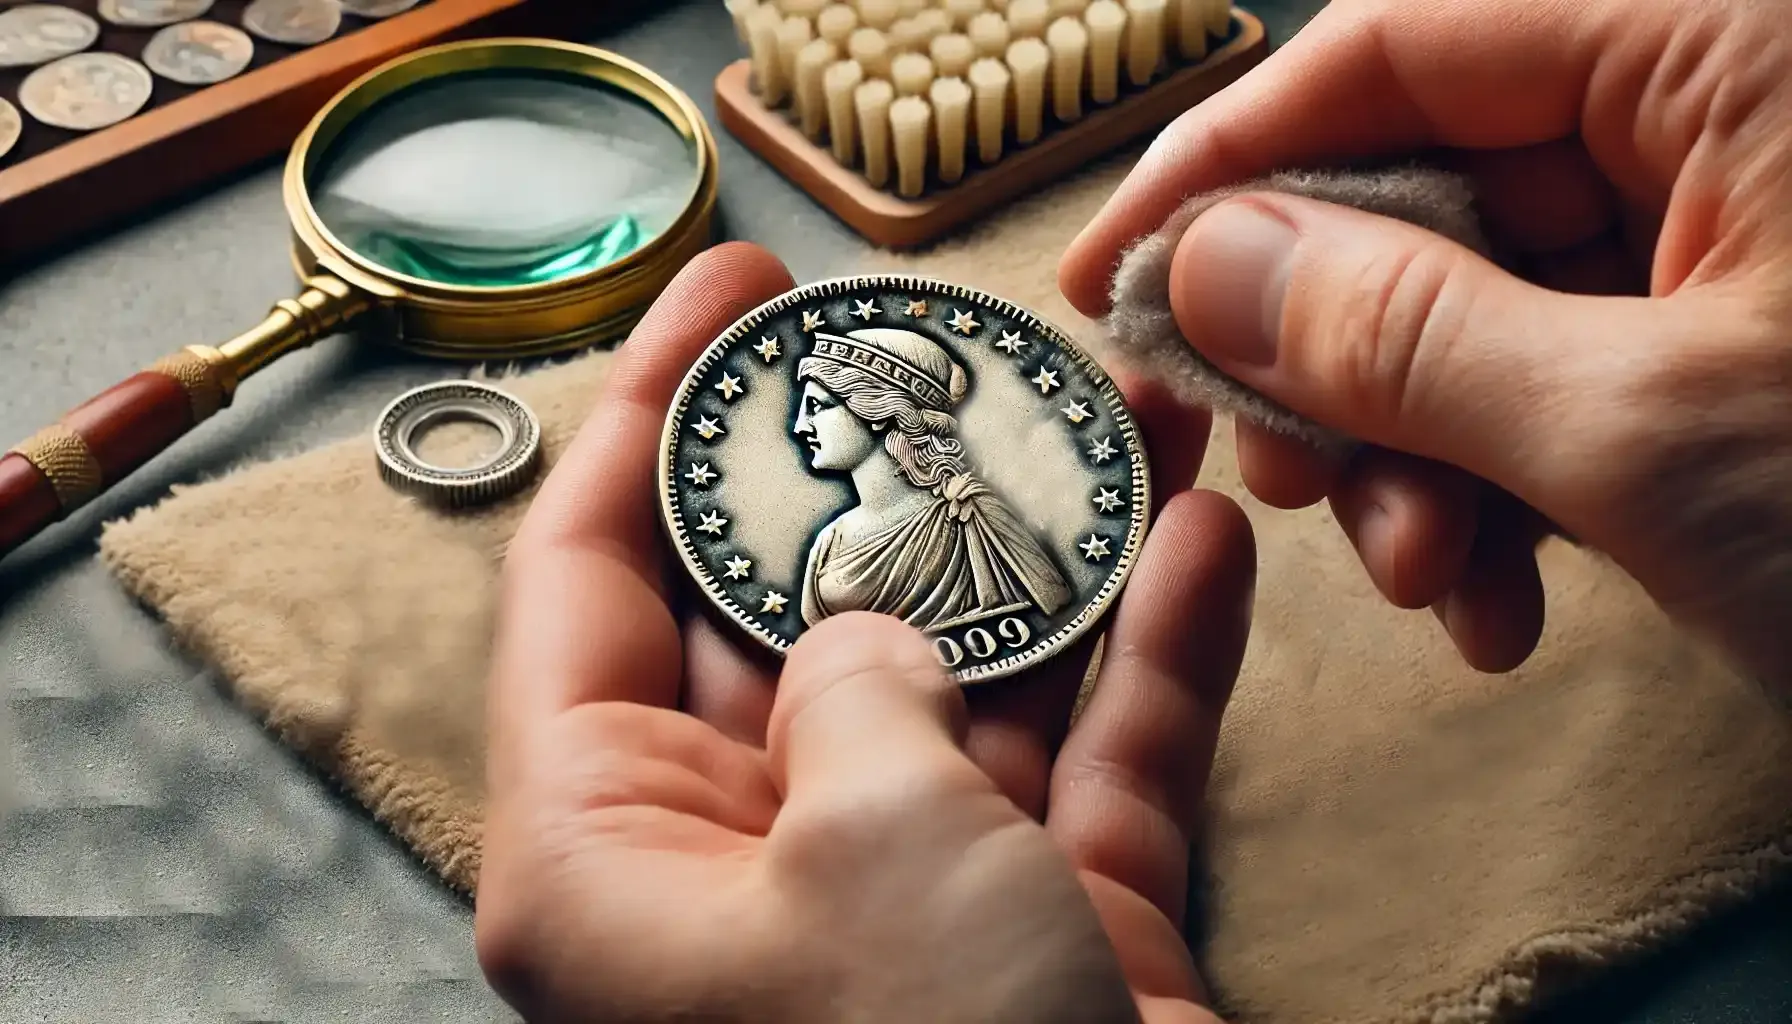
point(501, 475)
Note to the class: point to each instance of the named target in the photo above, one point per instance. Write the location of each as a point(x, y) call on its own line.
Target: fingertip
point(852, 647)
point(1495, 615)
point(1281, 471)
point(1176, 433)
point(1412, 521)
point(1200, 564)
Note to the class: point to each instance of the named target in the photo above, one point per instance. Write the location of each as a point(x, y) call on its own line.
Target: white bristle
point(989, 34)
point(1145, 32)
point(838, 83)
point(1069, 43)
point(1106, 22)
point(952, 116)
point(742, 12)
point(909, 117)
point(806, 9)
point(934, 22)
point(911, 73)
point(871, 49)
point(1191, 29)
point(811, 98)
point(910, 8)
point(768, 67)
point(1029, 62)
point(1028, 18)
point(1219, 18)
point(962, 11)
point(952, 55)
point(871, 102)
point(793, 35)
point(1068, 8)
point(989, 84)
point(907, 36)
point(835, 23)
point(879, 14)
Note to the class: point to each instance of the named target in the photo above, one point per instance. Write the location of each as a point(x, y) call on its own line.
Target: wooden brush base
point(893, 222)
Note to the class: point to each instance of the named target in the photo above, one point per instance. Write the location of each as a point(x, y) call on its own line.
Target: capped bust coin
point(33, 34)
point(909, 447)
point(11, 127)
point(377, 8)
point(86, 91)
point(294, 22)
point(199, 52)
point(149, 13)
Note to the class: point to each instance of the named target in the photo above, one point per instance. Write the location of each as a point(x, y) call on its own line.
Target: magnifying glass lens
point(499, 178)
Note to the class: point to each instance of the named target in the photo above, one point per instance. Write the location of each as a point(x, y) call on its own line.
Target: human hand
point(1628, 383)
point(676, 830)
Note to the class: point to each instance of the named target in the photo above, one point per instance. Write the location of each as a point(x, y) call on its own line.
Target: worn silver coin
point(199, 52)
point(294, 22)
point(33, 34)
point(87, 91)
point(152, 13)
point(499, 475)
point(910, 447)
point(377, 8)
point(11, 127)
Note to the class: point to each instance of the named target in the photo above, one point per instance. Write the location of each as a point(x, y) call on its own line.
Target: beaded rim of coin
point(12, 126)
point(500, 475)
point(236, 53)
point(1092, 608)
point(37, 107)
point(256, 15)
point(126, 15)
point(26, 13)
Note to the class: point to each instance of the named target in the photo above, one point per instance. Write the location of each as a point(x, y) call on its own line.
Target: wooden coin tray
point(58, 187)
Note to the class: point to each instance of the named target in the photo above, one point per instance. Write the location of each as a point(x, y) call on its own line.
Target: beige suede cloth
point(1394, 838)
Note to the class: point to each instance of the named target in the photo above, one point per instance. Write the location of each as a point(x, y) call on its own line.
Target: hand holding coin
point(672, 809)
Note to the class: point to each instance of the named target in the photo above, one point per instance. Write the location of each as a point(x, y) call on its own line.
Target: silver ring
point(499, 476)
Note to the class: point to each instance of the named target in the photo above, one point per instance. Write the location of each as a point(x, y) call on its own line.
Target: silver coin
point(199, 52)
point(500, 475)
point(377, 8)
point(910, 447)
point(149, 13)
point(294, 22)
point(35, 34)
point(86, 91)
point(11, 127)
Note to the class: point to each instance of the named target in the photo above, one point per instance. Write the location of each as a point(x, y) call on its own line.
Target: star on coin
point(729, 387)
point(737, 568)
point(1047, 380)
point(1076, 412)
point(811, 320)
point(707, 428)
point(700, 475)
point(767, 348)
point(864, 308)
point(1101, 451)
point(917, 307)
point(1011, 342)
point(774, 603)
point(963, 322)
point(1108, 500)
point(1095, 548)
point(712, 523)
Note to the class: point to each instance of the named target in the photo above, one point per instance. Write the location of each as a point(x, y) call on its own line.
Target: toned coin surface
point(33, 34)
point(294, 22)
point(87, 91)
point(148, 13)
point(11, 127)
point(199, 52)
point(377, 8)
point(909, 447)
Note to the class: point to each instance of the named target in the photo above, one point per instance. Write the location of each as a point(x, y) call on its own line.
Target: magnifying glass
point(488, 199)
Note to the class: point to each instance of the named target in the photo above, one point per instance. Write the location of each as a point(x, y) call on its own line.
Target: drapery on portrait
point(927, 542)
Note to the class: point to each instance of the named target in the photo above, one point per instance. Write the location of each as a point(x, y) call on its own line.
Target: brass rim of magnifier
point(480, 322)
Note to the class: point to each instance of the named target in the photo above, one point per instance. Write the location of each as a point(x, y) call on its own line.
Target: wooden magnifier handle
point(105, 439)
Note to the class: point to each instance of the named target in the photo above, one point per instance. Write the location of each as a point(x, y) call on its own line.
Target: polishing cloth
point(1393, 837)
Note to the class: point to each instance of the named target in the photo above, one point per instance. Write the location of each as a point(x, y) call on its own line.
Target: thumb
point(867, 721)
point(1399, 337)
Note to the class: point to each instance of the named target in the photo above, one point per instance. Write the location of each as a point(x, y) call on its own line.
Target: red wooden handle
point(104, 440)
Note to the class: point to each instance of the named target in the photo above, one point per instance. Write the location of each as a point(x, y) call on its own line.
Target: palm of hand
point(677, 827)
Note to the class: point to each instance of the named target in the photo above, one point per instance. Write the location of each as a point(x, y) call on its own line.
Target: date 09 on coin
point(908, 447)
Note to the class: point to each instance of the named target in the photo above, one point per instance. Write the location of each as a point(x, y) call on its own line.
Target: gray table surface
point(163, 859)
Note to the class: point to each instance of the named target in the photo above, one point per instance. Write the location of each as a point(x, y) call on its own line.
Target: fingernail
point(1231, 277)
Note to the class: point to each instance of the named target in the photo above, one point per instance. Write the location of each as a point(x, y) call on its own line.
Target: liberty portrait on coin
point(911, 448)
